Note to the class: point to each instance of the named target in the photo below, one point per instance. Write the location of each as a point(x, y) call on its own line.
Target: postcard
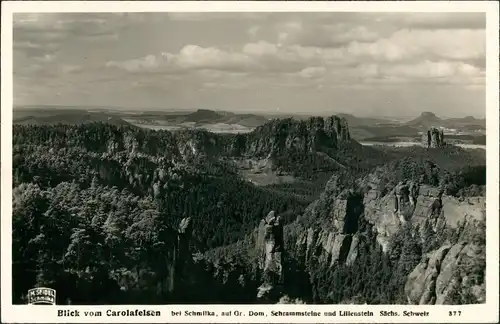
point(249, 162)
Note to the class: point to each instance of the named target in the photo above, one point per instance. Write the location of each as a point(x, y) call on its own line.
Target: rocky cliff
point(275, 137)
point(344, 228)
point(306, 136)
point(352, 219)
point(452, 274)
point(441, 274)
point(340, 225)
point(335, 239)
point(433, 138)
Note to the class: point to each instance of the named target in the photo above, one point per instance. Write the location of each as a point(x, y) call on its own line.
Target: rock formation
point(182, 255)
point(421, 205)
point(448, 271)
point(270, 248)
point(341, 225)
point(451, 267)
point(405, 199)
point(433, 138)
point(278, 136)
point(337, 240)
point(183, 239)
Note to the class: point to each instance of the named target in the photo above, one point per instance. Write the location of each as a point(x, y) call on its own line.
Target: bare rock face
point(298, 135)
point(433, 138)
point(405, 198)
point(328, 246)
point(413, 192)
point(338, 126)
point(385, 213)
point(420, 287)
point(353, 250)
point(337, 241)
point(458, 211)
point(446, 273)
point(340, 249)
point(421, 205)
point(336, 231)
point(270, 246)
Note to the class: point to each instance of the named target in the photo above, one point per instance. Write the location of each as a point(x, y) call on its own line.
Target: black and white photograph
point(182, 158)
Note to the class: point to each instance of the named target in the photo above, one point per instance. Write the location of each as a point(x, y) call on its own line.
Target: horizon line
point(246, 111)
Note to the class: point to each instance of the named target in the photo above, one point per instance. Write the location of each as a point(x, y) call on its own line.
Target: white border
point(486, 313)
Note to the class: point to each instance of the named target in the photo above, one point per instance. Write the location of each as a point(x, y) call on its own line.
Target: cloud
point(69, 69)
point(313, 72)
point(329, 35)
point(288, 58)
point(405, 56)
point(42, 34)
point(411, 46)
point(196, 57)
point(460, 44)
point(388, 37)
point(260, 57)
point(206, 16)
point(403, 44)
point(395, 20)
point(59, 26)
point(444, 72)
point(252, 31)
point(46, 58)
point(433, 20)
point(190, 57)
point(223, 85)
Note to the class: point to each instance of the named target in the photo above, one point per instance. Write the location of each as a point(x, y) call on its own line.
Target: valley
point(294, 211)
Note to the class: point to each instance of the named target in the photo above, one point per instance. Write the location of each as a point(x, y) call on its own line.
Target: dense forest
point(99, 211)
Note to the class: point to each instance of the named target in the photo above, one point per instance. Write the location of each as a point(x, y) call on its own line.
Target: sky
point(366, 64)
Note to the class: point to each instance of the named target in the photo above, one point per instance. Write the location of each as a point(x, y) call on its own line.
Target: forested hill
point(305, 148)
point(187, 172)
point(96, 207)
point(148, 164)
point(274, 137)
point(89, 203)
point(81, 186)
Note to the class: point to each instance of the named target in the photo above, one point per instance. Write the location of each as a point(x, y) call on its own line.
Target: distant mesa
point(428, 114)
point(208, 116)
point(467, 119)
point(468, 122)
point(427, 120)
point(203, 115)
